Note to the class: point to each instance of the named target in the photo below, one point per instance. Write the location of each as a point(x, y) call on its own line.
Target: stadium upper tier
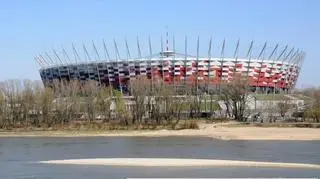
point(279, 71)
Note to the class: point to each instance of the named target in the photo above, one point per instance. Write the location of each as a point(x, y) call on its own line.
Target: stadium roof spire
point(167, 52)
point(167, 39)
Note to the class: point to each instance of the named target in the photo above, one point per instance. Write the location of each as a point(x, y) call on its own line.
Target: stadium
point(270, 70)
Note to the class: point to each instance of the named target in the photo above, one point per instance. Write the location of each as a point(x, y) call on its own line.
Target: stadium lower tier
point(268, 74)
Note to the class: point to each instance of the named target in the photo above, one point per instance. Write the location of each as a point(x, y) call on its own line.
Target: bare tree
point(27, 100)
point(179, 103)
point(283, 107)
point(3, 110)
point(104, 101)
point(313, 111)
point(90, 91)
point(46, 98)
point(120, 107)
point(140, 88)
point(234, 95)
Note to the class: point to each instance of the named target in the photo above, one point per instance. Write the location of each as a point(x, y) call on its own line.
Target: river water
point(17, 156)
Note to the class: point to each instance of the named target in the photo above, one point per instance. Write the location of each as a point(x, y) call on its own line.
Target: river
point(18, 156)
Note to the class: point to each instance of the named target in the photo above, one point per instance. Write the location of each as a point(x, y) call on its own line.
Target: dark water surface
point(17, 153)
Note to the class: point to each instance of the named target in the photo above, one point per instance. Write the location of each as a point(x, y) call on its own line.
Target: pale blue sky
point(28, 28)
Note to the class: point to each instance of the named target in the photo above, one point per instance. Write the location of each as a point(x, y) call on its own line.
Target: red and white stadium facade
point(277, 70)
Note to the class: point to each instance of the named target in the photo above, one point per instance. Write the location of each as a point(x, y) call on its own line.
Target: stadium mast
point(116, 50)
point(107, 57)
point(75, 54)
point(167, 40)
point(106, 52)
point(51, 60)
point(96, 51)
point(127, 47)
point(150, 63)
point(117, 58)
point(236, 55)
point(97, 66)
point(174, 66)
point(86, 54)
point(209, 64)
point(185, 61)
point(39, 62)
point(167, 52)
point(249, 55)
point(260, 54)
point(76, 58)
point(291, 58)
point(65, 55)
point(282, 61)
point(221, 63)
point(138, 47)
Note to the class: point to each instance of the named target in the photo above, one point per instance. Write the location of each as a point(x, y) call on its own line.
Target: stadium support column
point(96, 61)
point(54, 63)
point(42, 66)
point(282, 63)
point(139, 55)
point(87, 57)
point(272, 66)
point(208, 80)
point(287, 69)
point(117, 62)
point(38, 62)
point(292, 60)
point(61, 63)
point(249, 62)
point(138, 46)
point(300, 63)
point(66, 56)
point(76, 58)
point(236, 55)
point(57, 65)
point(296, 57)
point(174, 66)
point(150, 62)
point(45, 66)
point(48, 69)
point(40, 57)
point(56, 54)
point(209, 66)
point(221, 64)
point(127, 62)
point(260, 54)
point(197, 68)
point(162, 61)
point(108, 59)
point(185, 62)
point(116, 50)
point(75, 54)
point(127, 48)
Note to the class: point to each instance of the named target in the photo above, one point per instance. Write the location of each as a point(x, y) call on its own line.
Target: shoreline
point(214, 131)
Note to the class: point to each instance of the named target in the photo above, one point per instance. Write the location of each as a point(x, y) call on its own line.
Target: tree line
point(28, 104)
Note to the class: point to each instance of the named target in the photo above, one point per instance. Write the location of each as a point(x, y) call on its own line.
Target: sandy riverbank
point(217, 131)
point(171, 162)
